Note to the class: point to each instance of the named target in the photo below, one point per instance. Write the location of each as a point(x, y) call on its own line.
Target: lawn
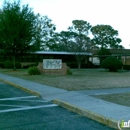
point(122, 98)
point(79, 80)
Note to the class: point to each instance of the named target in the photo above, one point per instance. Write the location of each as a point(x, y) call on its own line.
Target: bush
point(69, 72)
point(102, 54)
point(30, 65)
point(34, 64)
point(112, 63)
point(126, 67)
point(10, 65)
point(72, 64)
point(18, 65)
point(1, 65)
point(25, 66)
point(83, 65)
point(33, 71)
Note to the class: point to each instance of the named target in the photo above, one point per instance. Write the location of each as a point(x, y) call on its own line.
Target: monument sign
point(52, 64)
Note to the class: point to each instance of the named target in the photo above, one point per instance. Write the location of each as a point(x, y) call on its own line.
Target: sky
point(108, 12)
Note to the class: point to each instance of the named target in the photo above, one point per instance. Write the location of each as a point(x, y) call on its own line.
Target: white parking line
point(16, 98)
point(31, 101)
point(12, 105)
point(101, 93)
point(26, 108)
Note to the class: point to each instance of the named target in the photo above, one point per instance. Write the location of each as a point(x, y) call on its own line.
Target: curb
point(21, 87)
point(83, 112)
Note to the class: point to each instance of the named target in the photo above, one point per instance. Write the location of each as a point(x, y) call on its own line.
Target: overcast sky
point(62, 12)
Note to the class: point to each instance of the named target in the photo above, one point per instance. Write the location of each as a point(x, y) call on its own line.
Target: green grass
point(121, 98)
point(79, 80)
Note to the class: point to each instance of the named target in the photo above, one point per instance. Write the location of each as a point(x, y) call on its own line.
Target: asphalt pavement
point(20, 110)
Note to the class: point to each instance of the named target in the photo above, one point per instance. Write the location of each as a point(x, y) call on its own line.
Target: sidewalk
point(77, 101)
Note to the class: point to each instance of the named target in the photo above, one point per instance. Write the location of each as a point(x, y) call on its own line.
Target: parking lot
point(22, 111)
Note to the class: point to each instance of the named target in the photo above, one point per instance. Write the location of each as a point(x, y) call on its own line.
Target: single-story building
point(69, 57)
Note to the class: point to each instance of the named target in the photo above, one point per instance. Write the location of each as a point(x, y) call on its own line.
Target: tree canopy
point(105, 37)
point(21, 30)
point(45, 31)
point(80, 27)
point(75, 40)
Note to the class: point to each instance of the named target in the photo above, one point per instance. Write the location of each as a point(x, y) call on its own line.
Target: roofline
point(61, 52)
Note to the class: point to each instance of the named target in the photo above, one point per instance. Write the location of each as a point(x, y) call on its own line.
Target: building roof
point(114, 52)
point(61, 53)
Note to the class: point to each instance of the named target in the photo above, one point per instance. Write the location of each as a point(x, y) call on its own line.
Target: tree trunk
point(14, 62)
point(79, 65)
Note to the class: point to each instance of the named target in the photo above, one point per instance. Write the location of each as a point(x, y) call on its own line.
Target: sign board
point(52, 64)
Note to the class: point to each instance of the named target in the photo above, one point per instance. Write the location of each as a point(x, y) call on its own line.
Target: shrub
point(83, 65)
point(9, 64)
point(1, 65)
point(18, 65)
point(126, 67)
point(102, 54)
point(72, 64)
point(69, 72)
point(25, 66)
point(34, 64)
point(111, 63)
point(33, 71)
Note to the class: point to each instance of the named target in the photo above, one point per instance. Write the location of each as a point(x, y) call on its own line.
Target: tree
point(105, 37)
point(63, 41)
point(21, 30)
point(45, 32)
point(103, 54)
point(79, 47)
point(55, 43)
point(75, 42)
point(71, 42)
point(16, 29)
point(80, 27)
point(81, 40)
